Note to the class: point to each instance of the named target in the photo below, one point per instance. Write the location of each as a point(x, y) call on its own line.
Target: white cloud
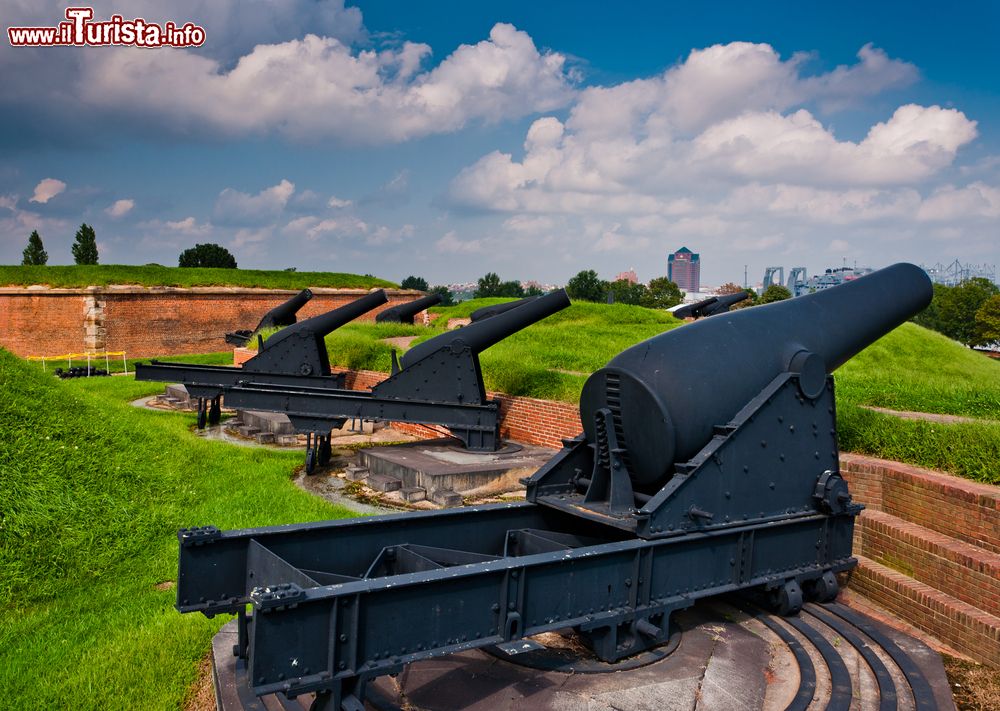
point(236, 207)
point(120, 208)
point(449, 243)
point(976, 200)
point(188, 226)
point(316, 88)
point(337, 203)
point(47, 189)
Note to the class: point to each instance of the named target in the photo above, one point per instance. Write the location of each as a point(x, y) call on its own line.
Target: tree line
point(968, 313)
point(84, 251)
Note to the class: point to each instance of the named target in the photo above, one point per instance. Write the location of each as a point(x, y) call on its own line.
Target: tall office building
point(684, 269)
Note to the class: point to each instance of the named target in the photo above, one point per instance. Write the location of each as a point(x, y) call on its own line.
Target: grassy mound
point(94, 492)
point(105, 274)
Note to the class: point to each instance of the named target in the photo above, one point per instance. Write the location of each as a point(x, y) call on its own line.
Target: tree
point(662, 294)
point(625, 292)
point(34, 255)
point(414, 282)
point(207, 255)
point(85, 246)
point(511, 288)
point(954, 309)
point(447, 298)
point(587, 286)
point(487, 285)
point(533, 290)
point(988, 322)
point(775, 292)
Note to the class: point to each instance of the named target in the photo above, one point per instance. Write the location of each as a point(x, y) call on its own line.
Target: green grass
point(116, 365)
point(105, 274)
point(94, 491)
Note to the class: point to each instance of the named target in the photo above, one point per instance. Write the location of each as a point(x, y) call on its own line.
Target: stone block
point(413, 493)
point(446, 497)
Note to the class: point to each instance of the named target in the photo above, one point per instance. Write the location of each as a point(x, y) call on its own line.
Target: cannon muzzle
point(404, 313)
point(481, 335)
point(488, 311)
point(667, 394)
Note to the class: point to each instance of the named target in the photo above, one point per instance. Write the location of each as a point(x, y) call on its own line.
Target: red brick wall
point(956, 507)
point(146, 322)
point(42, 322)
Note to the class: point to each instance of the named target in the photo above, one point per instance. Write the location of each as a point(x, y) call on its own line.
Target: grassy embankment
point(911, 368)
point(79, 276)
point(94, 491)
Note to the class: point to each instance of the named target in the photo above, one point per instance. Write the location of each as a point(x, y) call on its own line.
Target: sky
point(533, 139)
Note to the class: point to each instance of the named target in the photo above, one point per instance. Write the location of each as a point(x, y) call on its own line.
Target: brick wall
point(146, 322)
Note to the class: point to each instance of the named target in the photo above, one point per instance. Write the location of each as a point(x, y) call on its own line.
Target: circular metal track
point(729, 654)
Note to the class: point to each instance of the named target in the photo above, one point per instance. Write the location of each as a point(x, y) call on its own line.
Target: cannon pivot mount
point(693, 477)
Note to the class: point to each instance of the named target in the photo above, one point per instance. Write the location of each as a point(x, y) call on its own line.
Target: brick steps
point(960, 570)
point(965, 628)
point(928, 546)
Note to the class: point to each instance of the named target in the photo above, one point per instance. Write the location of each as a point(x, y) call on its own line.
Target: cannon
point(711, 306)
point(295, 355)
point(487, 311)
point(694, 476)
point(281, 315)
point(404, 313)
point(438, 382)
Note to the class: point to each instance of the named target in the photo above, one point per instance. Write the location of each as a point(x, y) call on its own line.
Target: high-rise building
point(630, 276)
point(684, 269)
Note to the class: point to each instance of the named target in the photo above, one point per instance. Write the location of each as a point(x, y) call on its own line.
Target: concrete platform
point(727, 655)
point(442, 465)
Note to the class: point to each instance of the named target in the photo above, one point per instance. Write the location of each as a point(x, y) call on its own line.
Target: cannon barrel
point(668, 393)
point(488, 311)
point(404, 313)
point(284, 314)
point(483, 334)
point(711, 306)
point(331, 320)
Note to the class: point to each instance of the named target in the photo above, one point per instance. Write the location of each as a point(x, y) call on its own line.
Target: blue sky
point(449, 139)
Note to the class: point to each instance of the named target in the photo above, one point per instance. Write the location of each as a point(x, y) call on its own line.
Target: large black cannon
point(281, 315)
point(487, 311)
point(438, 382)
point(295, 355)
point(404, 313)
point(695, 475)
point(711, 306)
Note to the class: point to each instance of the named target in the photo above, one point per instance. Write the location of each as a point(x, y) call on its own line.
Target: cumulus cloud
point(47, 189)
point(119, 208)
point(317, 87)
point(236, 207)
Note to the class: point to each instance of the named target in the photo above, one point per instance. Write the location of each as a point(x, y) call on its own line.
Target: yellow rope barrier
point(106, 355)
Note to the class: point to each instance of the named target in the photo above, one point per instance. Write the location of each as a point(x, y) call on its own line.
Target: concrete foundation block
point(446, 497)
point(413, 493)
point(384, 483)
point(265, 438)
point(356, 473)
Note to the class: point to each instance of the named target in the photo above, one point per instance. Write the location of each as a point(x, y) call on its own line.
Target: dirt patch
point(201, 694)
point(975, 687)
point(400, 342)
point(165, 585)
point(927, 416)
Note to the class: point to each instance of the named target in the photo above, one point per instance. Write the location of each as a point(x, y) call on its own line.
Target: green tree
point(488, 285)
point(34, 255)
point(85, 246)
point(587, 286)
point(447, 298)
point(625, 292)
point(533, 290)
point(954, 309)
point(662, 294)
point(988, 322)
point(734, 288)
point(414, 282)
point(207, 255)
point(774, 292)
point(511, 288)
